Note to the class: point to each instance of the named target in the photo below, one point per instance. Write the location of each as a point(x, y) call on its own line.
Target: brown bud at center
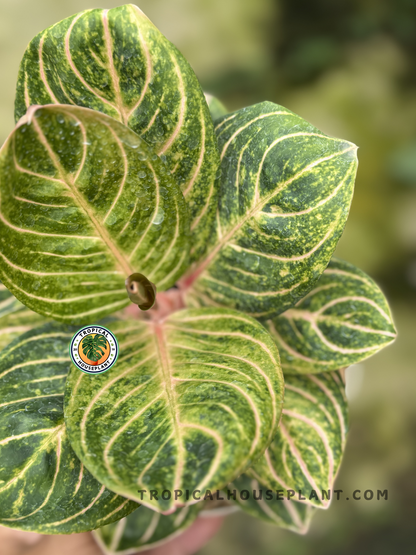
point(141, 291)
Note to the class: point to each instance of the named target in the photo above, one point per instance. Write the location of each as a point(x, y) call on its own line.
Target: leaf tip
point(350, 150)
point(138, 11)
point(27, 118)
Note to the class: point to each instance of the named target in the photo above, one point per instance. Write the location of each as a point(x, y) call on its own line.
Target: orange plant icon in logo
point(94, 349)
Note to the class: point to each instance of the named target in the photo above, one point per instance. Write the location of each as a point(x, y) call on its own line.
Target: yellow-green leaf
point(218, 506)
point(43, 486)
point(343, 320)
point(262, 503)
point(15, 318)
point(143, 529)
point(190, 403)
point(216, 107)
point(116, 61)
point(307, 450)
point(285, 194)
point(84, 203)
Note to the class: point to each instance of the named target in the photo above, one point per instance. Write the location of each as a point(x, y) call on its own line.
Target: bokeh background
point(347, 66)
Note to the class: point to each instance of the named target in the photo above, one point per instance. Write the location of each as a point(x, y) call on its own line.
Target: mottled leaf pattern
point(43, 485)
point(308, 447)
point(83, 204)
point(144, 529)
point(280, 512)
point(15, 318)
point(117, 62)
point(285, 194)
point(190, 403)
point(216, 107)
point(343, 320)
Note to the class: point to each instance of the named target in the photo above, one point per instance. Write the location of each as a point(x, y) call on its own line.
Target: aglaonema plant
point(116, 168)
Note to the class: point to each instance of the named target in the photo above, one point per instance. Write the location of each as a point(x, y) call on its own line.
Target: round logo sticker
point(94, 349)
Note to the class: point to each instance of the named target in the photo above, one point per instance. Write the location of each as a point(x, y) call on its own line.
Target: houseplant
point(116, 167)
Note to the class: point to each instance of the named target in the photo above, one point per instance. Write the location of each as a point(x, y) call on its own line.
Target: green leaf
point(345, 319)
point(218, 506)
point(94, 347)
point(117, 62)
point(307, 450)
point(84, 204)
point(43, 486)
point(284, 513)
point(190, 403)
point(216, 107)
point(144, 529)
point(286, 190)
point(15, 318)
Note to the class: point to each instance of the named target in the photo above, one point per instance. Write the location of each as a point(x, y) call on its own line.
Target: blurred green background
point(347, 66)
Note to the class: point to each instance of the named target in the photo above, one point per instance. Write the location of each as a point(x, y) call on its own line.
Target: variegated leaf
point(216, 107)
point(84, 204)
point(263, 504)
point(117, 62)
point(43, 486)
point(15, 318)
point(144, 529)
point(190, 403)
point(345, 319)
point(307, 450)
point(218, 506)
point(286, 190)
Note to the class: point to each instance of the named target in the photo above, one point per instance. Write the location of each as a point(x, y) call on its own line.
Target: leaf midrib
point(166, 370)
point(250, 214)
point(121, 262)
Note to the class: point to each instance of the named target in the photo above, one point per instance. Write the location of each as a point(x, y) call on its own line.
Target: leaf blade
point(101, 205)
point(283, 513)
point(144, 529)
point(344, 320)
point(285, 193)
point(216, 107)
point(14, 317)
point(117, 62)
point(44, 487)
point(307, 450)
point(192, 400)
